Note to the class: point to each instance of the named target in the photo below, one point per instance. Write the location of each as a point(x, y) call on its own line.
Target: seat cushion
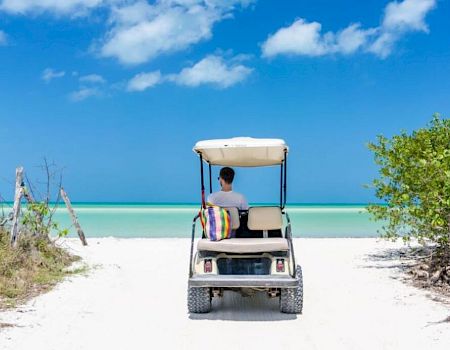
point(244, 245)
point(265, 218)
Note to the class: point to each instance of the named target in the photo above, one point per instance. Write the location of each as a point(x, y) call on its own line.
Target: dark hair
point(227, 174)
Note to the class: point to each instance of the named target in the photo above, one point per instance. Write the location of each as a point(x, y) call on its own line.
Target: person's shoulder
point(211, 196)
point(241, 198)
point(243, 205)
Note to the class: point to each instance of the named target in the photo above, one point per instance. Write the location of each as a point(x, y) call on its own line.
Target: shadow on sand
point(391, 258)
point(234, 307)
point(403, 260)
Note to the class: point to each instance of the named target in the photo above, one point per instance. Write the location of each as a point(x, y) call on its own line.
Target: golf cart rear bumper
point(236, 281)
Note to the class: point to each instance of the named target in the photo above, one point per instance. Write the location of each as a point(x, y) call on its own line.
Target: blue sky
point(117, 92)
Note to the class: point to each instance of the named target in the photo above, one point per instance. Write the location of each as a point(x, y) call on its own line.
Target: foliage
point(37, 219)
point(414, 182)
point(35, 265)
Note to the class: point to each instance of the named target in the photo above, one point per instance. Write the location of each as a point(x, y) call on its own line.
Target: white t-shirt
point(228, 199)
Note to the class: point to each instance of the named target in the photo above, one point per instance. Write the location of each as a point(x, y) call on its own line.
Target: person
point(226, 197)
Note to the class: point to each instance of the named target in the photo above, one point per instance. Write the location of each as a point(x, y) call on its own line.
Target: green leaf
point(414, 183)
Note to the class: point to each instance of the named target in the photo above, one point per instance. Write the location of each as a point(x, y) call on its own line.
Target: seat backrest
point(234, 215)
point(265, 218)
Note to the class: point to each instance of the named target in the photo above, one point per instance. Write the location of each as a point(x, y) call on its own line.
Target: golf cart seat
point(261, 222)
point(244, 245)
point(263, 219)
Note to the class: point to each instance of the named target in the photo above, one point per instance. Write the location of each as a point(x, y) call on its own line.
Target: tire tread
point(199, 300)
point(291, 299)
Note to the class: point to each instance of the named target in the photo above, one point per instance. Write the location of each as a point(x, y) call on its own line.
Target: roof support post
point(285, 179)
point(281, 185)
point(202, 182)
point(210, 178)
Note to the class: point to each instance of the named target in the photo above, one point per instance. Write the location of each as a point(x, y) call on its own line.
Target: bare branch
point(47, 171)
point(58, 198)
point(30, 186)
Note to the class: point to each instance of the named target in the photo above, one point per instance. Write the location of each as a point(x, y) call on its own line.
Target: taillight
point(208, 265)
point(280, 265)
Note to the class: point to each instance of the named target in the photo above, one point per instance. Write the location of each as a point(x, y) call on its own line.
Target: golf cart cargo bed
point(255, 281)
point(244, 245)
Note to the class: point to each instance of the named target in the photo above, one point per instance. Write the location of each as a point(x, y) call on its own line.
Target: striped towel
point(216, 222)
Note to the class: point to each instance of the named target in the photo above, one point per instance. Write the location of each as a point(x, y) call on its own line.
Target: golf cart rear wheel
point(199, 300)
point(291, 299)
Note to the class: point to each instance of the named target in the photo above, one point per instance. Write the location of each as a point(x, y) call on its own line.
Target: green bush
point(414, 184)
point(34, 263)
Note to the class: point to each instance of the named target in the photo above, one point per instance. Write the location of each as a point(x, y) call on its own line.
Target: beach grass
point(31, 268)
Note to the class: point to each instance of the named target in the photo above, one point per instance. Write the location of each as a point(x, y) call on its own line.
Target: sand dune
point(135, 298)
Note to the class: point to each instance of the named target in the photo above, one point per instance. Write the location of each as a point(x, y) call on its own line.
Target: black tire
point(291, 299)
point(199, 300)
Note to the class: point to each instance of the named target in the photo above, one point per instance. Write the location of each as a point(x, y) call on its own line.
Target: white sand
point(352, 301)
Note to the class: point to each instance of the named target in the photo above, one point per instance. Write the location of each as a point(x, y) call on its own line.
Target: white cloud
point(84, 93)
point(305, 38)
point(132, 13)
point(141, 31)
point(383, 44)
point(92, 78)
point(212, 70)
point(143, 81)
point(407, 15)
point(300, 38)
point(3, 38)
point(65, 7)
point(353, 38)
point(399, 19)
point(49, 74)
point(90, 85)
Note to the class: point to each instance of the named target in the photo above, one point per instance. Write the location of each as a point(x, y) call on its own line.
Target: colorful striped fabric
point(216, 222)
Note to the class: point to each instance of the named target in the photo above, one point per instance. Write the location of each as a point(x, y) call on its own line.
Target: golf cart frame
point(288, 283)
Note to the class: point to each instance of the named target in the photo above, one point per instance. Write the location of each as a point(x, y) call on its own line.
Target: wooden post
point(74, 216)
point(16, 208)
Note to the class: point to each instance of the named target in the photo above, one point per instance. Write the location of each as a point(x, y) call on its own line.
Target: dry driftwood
point(74, 216)
point(420, 274)
point(435, 271)
point(16, 208)
point(436, 275)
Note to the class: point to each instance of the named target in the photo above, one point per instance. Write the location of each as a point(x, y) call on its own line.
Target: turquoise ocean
point(175, 220)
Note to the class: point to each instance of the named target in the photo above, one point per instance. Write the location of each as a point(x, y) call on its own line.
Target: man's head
point(226, 176)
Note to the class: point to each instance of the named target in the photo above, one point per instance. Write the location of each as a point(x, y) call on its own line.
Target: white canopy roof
point(242, 151)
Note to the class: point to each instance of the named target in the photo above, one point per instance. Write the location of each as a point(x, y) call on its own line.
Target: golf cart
point(260, 256)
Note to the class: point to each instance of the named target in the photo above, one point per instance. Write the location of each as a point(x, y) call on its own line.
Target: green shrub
point(414, 184)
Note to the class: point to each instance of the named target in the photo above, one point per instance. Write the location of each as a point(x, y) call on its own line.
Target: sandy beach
point(134, 297)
